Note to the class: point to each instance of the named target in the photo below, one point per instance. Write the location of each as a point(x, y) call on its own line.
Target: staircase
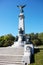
point(11, 56)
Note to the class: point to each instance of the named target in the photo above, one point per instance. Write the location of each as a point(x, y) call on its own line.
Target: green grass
point(38, 58)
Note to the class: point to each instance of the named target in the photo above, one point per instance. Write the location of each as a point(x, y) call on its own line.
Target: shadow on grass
point(33, 56)
point(36, 50)
point(32, 59)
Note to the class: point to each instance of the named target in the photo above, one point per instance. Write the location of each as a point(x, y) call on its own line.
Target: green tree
point(40, 36)
point(2, 41)
point(32, 36)
point(9, 40)
point(6, 40)
point(36, 39)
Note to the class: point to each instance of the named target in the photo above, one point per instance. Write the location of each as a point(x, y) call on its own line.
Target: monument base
point(28, 52)
point(19, 44)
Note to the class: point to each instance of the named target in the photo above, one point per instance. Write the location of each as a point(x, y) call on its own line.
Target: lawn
point(38, 57)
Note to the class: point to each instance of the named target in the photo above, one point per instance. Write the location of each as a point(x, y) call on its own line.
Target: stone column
point(21, 27)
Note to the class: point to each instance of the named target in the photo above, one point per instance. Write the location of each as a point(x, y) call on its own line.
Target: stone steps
point(11, 51)
point(11, 60)
point(11, 56)
point(11, 64)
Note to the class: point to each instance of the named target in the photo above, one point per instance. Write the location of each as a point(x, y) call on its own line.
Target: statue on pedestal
point(21, 8)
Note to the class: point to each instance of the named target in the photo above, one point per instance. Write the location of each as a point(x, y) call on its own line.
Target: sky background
point(9, 16)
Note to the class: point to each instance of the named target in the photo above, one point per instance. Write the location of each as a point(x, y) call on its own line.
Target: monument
point(22, 40)
point(21, 29)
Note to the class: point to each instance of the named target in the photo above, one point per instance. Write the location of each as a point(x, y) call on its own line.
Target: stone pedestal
point(21, 32)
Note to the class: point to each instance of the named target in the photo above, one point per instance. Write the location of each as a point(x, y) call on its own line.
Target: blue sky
point(9, 16)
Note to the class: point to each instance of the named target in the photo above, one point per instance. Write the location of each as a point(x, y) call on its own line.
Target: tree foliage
point(6, 40)
point(37, 38)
